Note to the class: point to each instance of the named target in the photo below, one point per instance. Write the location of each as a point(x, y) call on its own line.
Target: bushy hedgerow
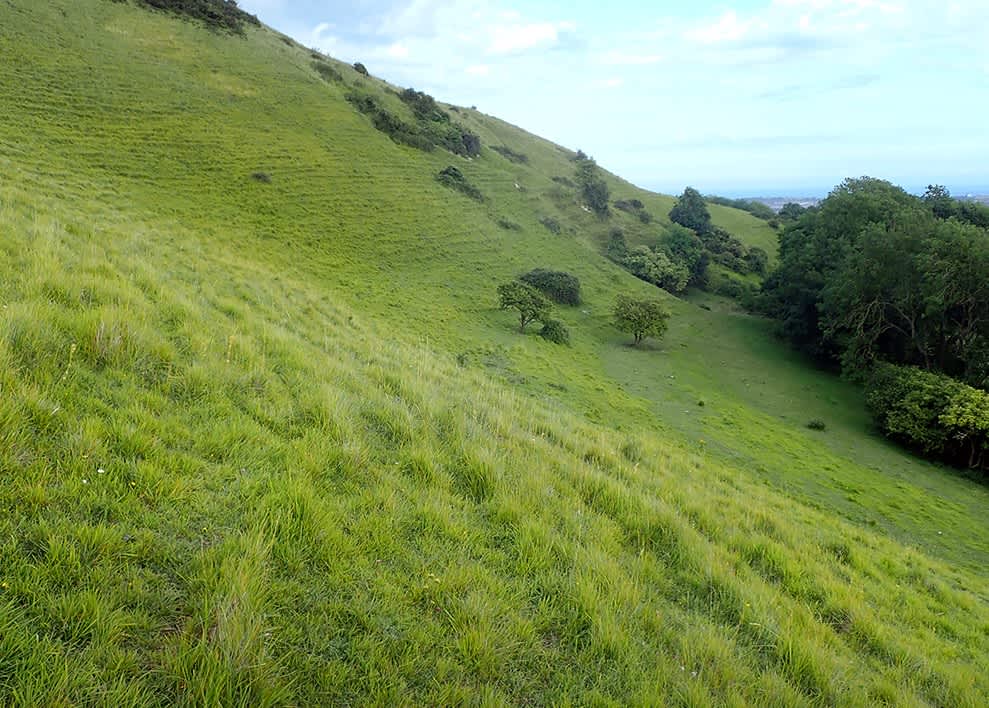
point(432, 128)
point(360, 69)
point(555, 331)
point(551, 224)
point(221, 15)
point(559, 286)
point(510, 155)
point(932, 413)
point(454, 179)
point(635, 207)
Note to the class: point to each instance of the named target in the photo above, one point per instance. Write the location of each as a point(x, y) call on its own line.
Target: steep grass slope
point(270, 443)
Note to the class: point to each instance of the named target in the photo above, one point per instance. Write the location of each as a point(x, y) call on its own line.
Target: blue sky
point(741, 98)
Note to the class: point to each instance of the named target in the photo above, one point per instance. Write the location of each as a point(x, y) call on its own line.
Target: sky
point(747, 98)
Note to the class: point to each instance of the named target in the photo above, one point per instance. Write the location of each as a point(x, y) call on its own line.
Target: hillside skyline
point(746, 98)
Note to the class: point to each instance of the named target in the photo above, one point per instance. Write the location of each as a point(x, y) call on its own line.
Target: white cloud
point(505, 39)
point(616, 58)
point(478, 70)
point(397, 51)
point(728, 28)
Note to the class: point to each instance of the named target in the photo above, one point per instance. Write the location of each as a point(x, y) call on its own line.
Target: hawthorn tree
point(531, 305)
point(640, 318)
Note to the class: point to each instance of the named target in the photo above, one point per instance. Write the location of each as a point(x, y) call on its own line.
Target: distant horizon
point(812, 193)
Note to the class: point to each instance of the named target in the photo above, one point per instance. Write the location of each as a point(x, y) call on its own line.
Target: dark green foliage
point(433, 127)
point(756, 209)
point(813, 249)
point(617, 248)
point(509, 225)
point(943, 206)
point(327, 71)
point(875, 274)
point(931, 413)
point(360, 69)
point(216, 14)
point(531, 305)
point(423, 105)
point(593, 189)
point(635, 207)
point(454, 179)
point(262, 177)
point(658, 268)
point(817, 424)
point(388, 123)
point(565, 182)
point(685, 247)
point(510, 155)
point(757, 260)
point(552, 224)
point(640, 318)
point(728, 286)
point(791, 211)
point(555, 331)
point(561, 287)
point(691, 211)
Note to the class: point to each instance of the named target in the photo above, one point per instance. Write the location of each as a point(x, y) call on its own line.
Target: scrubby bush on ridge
point(215, 14)
point(454, 179)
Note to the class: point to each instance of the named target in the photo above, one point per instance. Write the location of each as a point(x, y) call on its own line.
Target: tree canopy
point(691, 211)
point(640, 318)
point(530, 304)
point(877, 274)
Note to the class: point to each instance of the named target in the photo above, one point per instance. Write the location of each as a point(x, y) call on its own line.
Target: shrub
point(454, 179)
point(817, 424)
point(565, 182)
point(617, 248)
point(360, 69)
point(593, 189)
point(932, 413)
point(510, 155)
point(327, 71)
point(658, 268)
point(558, 286)
point(555, 331)
point(551, 224)
point(509, 225)
point(262, 177)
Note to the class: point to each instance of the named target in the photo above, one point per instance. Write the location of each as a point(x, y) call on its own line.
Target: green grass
point(272, 444)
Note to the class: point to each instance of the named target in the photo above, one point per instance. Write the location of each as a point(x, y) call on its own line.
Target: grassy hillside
point(271, 443)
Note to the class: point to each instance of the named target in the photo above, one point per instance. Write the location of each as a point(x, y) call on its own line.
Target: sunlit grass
point(272, 444)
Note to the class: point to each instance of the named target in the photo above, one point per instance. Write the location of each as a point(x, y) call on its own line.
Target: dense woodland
point(877, 276)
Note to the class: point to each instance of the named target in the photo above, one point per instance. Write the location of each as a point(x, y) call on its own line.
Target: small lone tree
point(529, 302)
point(640, 318)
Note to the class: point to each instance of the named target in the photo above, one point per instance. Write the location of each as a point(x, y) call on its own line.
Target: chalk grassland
point(271, 443)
